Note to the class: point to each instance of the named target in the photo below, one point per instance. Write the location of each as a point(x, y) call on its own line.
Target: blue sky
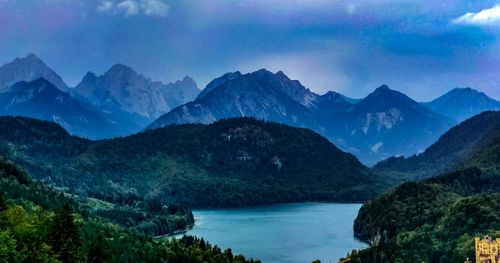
point(422, 48)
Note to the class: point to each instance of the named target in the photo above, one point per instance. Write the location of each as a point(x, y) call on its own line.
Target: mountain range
point(383, 124)
point(42, 100)
point(118, 103)
point(121, 88)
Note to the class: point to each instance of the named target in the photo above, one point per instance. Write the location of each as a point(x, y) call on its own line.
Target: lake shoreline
point(295, 232)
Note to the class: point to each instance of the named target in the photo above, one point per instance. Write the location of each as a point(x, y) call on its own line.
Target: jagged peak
point(262, 72)
point(331, 93)
point(31, 57)
point(187, 78)
point(90, 74)
point(120, 68)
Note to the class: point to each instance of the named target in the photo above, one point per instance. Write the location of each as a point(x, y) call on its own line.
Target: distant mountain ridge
point(260, 94)
point(383, 124)
point(387, 122)
point(121, 101)
point(124, 88)
point(463, 103)
point(41, 99)
point(28, 69)
point(457, 148)
point(371, 128)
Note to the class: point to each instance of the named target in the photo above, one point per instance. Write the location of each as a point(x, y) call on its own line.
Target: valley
point(251, 155)
point(249, 131)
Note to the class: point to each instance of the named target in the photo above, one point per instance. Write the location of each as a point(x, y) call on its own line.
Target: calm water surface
point(282, 233)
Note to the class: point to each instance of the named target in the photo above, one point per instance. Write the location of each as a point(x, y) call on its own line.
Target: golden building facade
point(487, 250)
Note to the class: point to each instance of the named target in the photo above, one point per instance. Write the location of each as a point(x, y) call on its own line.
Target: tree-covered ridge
point(149, 217)
point(232, 162)
point(456, 149)
point(42, 224)
point(433, 220)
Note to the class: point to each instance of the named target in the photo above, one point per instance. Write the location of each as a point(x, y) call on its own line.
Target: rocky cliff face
point(121, 87)
point(260, 94)
point(28, 69)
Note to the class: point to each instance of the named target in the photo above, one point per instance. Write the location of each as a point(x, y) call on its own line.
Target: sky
point(422, 48)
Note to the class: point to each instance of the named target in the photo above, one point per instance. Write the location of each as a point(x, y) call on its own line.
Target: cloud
point(490, 16)
point(104, 6)
point(133, 7)
point(154, 8)
point(130, 7)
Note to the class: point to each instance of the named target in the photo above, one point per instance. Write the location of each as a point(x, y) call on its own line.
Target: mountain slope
point(436, 219)
point(123, 89)
point(463, 103)
point(260, 94)
point(387, 123)
point(28, 69)
point(229, 163)
point(454, 149)
point(433, 220)
point(41, 99)
point(42, 224)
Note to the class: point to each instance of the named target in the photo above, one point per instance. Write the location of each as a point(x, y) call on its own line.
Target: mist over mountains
point(121, 102)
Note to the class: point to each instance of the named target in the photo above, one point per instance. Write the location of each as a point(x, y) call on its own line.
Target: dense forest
point(149, 217)
point(456, 149)
point(42, 224)
point(433, 220)
point(232, 162)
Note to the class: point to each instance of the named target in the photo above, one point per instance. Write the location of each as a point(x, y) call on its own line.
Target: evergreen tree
point(64, 238)
point(98, 250)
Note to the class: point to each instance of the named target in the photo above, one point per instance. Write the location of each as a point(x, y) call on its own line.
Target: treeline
point(234, 162)
point(434, 220)
point(41, 224)
point(150, 217)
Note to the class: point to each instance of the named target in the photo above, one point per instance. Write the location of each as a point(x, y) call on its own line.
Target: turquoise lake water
point(282, 233)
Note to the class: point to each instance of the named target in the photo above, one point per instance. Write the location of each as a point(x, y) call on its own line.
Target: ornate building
point(487, 250)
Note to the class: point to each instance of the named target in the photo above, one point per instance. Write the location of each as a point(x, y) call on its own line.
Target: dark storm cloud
point(422, 48)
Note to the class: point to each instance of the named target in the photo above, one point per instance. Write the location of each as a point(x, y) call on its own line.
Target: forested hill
point(232, 162)
point(460, 147)
point(42, 224)
point(435, 220)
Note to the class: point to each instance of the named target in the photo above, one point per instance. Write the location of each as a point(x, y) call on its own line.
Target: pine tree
point(64, 237)
point(98, 250)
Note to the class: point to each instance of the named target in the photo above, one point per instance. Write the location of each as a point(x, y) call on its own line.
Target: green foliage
point(60, 229)
point(433, 220)
point(232, 162)
point(64, 237)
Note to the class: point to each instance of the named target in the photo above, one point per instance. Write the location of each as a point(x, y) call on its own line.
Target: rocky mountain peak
point(123, 88)
point(29, 68)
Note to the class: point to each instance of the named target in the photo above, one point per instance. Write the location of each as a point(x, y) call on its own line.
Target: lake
point(282, 233)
